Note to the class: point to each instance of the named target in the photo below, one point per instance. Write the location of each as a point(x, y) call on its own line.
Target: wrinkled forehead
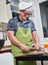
point(27, 11)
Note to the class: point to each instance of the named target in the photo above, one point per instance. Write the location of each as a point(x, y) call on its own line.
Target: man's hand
point(24, 48)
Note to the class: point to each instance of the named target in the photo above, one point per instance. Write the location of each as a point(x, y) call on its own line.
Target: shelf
point(16, 5)
point(3, 25)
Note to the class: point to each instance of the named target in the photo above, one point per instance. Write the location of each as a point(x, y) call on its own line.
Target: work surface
point(32, 57)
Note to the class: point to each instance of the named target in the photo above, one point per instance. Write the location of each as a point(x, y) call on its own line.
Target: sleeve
point(32, 25)
point(12, 25)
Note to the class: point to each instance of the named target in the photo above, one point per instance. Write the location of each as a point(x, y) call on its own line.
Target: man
point(21, 30)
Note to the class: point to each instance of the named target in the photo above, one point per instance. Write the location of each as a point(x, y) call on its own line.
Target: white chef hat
point(25, 6)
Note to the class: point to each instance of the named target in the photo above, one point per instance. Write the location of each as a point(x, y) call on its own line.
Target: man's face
point(25, 14)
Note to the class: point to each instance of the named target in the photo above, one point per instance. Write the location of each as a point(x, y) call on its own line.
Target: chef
point(21, 31)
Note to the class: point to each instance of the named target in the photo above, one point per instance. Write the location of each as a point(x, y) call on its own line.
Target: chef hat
point(25, 6)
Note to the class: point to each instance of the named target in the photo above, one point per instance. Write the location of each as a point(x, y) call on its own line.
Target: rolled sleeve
point(12, 25)
point(32, 25)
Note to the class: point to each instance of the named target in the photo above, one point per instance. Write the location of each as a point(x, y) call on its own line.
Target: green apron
point(24, 36)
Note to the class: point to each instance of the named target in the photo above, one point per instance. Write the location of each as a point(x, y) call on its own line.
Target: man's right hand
point(24, 48)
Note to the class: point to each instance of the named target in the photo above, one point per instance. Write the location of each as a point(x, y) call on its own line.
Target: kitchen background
point(9, 9)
